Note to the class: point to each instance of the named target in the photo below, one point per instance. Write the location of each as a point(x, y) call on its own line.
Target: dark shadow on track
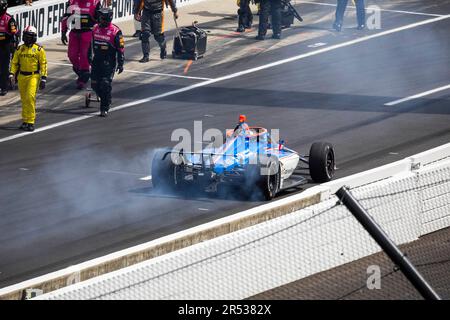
point(313, 100)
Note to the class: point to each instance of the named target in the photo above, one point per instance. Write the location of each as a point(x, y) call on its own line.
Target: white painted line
point(167, 75)
point(386, 10)
point(52, 126)
point(147, 178)
point(417, 96)
point(203, 209)
point(143, 72)
point(238, 74)
point(316, 45)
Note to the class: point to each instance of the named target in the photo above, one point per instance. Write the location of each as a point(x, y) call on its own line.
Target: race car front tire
point(321, 162)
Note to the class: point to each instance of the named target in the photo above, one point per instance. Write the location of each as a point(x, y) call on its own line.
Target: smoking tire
point(165, 168)
point(262, 180)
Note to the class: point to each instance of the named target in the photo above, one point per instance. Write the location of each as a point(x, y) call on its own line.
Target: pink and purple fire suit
point(81, 16)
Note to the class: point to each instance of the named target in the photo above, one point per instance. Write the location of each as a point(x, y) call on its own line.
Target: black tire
point(321, 162)
point(166, 173)
point(263, 180)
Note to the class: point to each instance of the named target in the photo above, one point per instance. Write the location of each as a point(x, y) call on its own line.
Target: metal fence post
point(391, 249)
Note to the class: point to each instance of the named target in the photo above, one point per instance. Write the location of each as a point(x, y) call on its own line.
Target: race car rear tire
point(321, 162)
point(165, 171)
point(263, 179)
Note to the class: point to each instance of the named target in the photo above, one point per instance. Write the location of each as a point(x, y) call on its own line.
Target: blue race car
point(248, 160)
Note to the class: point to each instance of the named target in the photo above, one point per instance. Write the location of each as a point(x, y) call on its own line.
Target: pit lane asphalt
point(74, 193)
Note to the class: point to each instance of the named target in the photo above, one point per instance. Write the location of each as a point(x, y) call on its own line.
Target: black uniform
point(8, 44)
point(152, 22)
point(245, 16)
point(108, 57)
point(269, 8)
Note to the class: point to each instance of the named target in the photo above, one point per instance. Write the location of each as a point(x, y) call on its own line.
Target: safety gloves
point(42, 83)
point(12, 81)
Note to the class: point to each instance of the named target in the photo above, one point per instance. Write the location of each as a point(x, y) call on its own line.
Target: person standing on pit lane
point(136, 23)
point(340, 11)
point(108, 49)
point(29, 64)
point(273, 8)
point(245, 15)
point(151, 15)
point(8, 44)
point(82, 16)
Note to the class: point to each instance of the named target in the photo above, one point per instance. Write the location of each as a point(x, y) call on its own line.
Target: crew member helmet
point(105, 16)
point(29, 35)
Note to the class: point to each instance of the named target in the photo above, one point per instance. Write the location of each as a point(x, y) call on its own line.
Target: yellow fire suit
point(30, 66)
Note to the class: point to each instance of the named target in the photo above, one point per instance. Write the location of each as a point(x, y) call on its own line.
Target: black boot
point(27, 127)
point(337, 26)
point(163, 53)
point(3, 92)
point(276, 36)
point(144, 59)
point(260, 37)
point(30, 127)
point(240, 29)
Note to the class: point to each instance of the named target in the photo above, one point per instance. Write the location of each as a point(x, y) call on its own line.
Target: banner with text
point(46, 16)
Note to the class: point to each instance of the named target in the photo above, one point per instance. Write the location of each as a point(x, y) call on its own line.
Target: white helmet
point(30, 29)
point(30, 35)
